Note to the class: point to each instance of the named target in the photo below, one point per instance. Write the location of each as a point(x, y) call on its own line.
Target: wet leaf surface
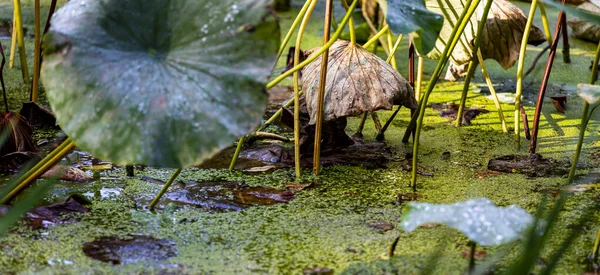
point(131, 250)
point(479, 219)
point(221, 196)
point(170, 95)
point(532, 165)
point(590, 93)
point(357, 81)
point(450, 111)
point(49, 215)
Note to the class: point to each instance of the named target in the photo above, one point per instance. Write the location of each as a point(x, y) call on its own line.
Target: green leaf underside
point(162, 83)
point(479, 219)
point(589, 93)
point(411, 16)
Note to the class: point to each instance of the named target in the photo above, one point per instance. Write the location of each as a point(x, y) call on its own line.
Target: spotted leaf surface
point(479, 219)
point(162, 83)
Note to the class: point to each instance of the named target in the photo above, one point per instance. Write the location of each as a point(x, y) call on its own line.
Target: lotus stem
point(164, 189)
point(471, 6)
point(520, 63)
point(473, 63)
point(21, 41)
point(2, 63)
point(40, 168)
point(350, 24)
point(361, 125)
point(545, 23)
point(463, 96)
point(473, 246)
point(315, 55)
point(490, 85)
point(525, 123)
point(391, 58)
point(236, 155)
point(322, 82)
point(297, 89)
point(419, 81)
point(13, 41)
point(584, 121)
point(375, 37)
point(565, 35)
point(542, 92)
point(596, 245)
point(372, 27)
point(36, 52)
point(293, 28)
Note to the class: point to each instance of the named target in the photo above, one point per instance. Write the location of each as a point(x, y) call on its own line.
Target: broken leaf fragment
point(479, 219)
point(357, 81)
point(590, 93)
point(161, 83)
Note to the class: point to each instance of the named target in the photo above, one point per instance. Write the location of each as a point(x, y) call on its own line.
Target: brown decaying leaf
point(357, 81)
point(583, 29)
point(67, 174)
point(19, 135)
point(559, 102)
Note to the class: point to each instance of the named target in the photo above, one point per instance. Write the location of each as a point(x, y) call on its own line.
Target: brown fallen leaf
point(299, 187)
point(357, 81)
point(261, 195)
point(583, 29)
point(479, 254)
point(67, 173)
point(559, 102)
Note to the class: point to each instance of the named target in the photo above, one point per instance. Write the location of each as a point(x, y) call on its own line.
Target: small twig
point(535, 61)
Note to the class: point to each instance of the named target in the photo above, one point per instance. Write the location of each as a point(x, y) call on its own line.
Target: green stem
point(456, 31)
point(164, 189)
point(584, 118)
point(297, 125)
point(292, 28)
point(596, 246)
point(473, 63)
point(394, 49)
point(318, 53)
point(490, 85)
point(545, 23)
point(321, 95)
point(13, 42)
point(350, 24)
point(375, 37)
point(236, 155)
point(419, 81)
point(21, 41)
point(521, 62)
point(36, 52)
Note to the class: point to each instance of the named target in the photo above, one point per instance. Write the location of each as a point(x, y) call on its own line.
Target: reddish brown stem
point(542, 92)
point(565, 35)
point(525, 123)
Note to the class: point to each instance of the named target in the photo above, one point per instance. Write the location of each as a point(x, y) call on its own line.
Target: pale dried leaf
point(357, 81)
point(583, 29)
point(501, 38)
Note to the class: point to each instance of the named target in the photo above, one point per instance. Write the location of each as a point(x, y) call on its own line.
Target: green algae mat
point(218, 221)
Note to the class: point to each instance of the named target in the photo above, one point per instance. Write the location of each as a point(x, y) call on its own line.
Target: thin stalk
point(596, 246)
point(50, 160)
point(372, 27)
point(36, 52)
point(375, 37)
point(322, 82)
point(13, 41)
point(463, 96)
point(584, 121)
point(565, 34)
point(361, 125)
point(488, 80)
point(542, 91)
point(236, 155)
point(525, 123)
point(391, 58)
point(472, 256)
point(419, 81)
point(21, 42)
point(164, 189)
point(472, 63)
point(520, 63)
point(350, 24)
point(545, 23)
point(2, 63)
point(418, 117)
point(318, 53)
point(293, 28)
point(297, 89)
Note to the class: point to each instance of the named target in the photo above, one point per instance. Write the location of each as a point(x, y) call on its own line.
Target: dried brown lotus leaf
point(501, 38)
point(357, 81)
point(583, 29)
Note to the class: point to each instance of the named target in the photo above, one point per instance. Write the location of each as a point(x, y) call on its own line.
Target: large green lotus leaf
point(589, 93)
point(479, 219)
point(501, 37)
point(156, 82)
point(412, 17)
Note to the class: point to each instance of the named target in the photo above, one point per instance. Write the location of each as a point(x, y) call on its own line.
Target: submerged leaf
point(501, 38)
point(590, 93)
point(163, 83)
point(413, 17)
point(357, 81)
point(479, 219)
